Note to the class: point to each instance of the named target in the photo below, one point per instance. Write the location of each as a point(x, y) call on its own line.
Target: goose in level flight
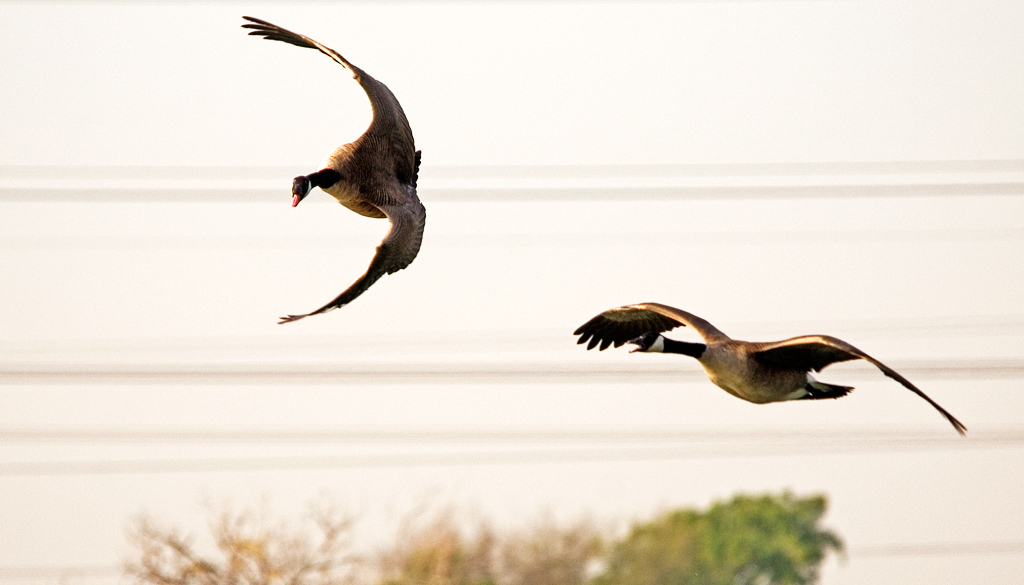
point(374, 176)
point(758, 372)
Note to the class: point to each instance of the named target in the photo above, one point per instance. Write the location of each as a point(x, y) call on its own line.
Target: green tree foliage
point(748, 540)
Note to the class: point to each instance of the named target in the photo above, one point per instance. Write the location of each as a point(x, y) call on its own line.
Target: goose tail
point(815, 390)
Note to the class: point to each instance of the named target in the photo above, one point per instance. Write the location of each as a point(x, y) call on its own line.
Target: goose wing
point(396, 251)
point(621, 324)
point(389, 121)
point(815, 352)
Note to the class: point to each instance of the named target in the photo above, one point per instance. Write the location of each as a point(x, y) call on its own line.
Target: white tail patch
point(797, 394)
point(828, 389)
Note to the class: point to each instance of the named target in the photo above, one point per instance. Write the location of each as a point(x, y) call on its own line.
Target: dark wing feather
point(815, 352)
point(398, 249)
point(808, 352)
point(389, 121)
point(621, 324)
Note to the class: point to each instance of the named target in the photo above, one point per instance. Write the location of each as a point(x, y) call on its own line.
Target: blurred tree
point(546, 554)
point(248, 553)
point(447, 552)
point(764, 540)
point(438, 553)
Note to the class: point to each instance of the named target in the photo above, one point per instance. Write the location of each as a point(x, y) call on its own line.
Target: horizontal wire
point(938, 549)
point(448, 373)
point(547, 194)
point(240, 172)
point(867, 551)
point(59, 572)
point(758, 449)
point(389, 2)
point(9, 436)
point(207, 242)
point(1006, 324)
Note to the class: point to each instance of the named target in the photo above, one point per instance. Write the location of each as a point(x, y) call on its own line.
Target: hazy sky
point(109, 263)
point(513, 83)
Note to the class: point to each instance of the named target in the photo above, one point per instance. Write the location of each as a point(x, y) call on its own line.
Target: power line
point(537, 182)
point(450, 373)
point(357, 2)
point(479, 435)
point(517, 436)
point(506, 240)
point(959, 325)
point(230, 173)
point(939, 548)
point(547, 194)
point(705, 451)
point(868, 551)
point(29, 572)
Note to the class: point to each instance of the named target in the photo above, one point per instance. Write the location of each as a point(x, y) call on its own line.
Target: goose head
point(301, 186)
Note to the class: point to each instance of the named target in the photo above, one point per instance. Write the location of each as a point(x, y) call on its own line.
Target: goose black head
point(301, 186)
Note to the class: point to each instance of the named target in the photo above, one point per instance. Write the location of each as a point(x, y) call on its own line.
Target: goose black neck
point(324, 178)
point(694, 350)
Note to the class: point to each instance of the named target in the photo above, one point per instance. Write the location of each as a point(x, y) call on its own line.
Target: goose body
point(758, 372)
point(730, 367)
point(374, 176)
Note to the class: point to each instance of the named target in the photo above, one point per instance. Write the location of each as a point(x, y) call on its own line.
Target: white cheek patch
point(658, 346)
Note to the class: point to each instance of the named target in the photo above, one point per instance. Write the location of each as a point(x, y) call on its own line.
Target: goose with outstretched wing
point(374, 176)
point(757, 372)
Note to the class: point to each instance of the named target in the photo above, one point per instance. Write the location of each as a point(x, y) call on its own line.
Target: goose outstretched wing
point(396, 251)
point(621, 324)
point(815, 352)
point(389, 121)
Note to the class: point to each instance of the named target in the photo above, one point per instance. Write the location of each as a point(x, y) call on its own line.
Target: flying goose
point(374, 176)
point(758, 372)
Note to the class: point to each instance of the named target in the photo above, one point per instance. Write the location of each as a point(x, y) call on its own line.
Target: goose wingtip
point(290, 318)
point(959, 426)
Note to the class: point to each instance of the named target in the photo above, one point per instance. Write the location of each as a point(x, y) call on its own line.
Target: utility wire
point(29, 572)
point(546, 194)
point(945, 549)
point(59, 573)
point(477, 457)
point(491, 339)
point(377, 436)
point(526, 171)
point(448, 373)
point(513, 240)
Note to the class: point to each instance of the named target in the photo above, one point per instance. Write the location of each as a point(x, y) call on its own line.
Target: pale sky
point(851, 168)
point(519, 83)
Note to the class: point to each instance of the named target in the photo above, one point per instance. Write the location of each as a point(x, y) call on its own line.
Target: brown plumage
point(758, 372)
point(374, 176)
